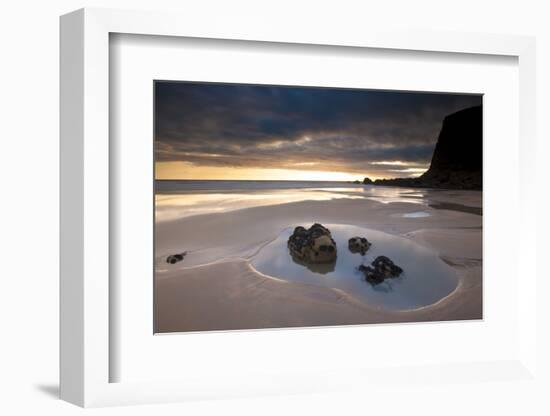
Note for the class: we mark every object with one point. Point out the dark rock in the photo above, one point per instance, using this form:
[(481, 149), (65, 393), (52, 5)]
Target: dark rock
[(175, 258), (387, 267), (367, 181), (458, 155), (406, 182), (359, 245), (313, 245), (380, 269), (371, 275), (357, 182)]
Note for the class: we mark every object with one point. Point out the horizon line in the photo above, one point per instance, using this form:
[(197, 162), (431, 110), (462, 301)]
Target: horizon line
[(256, 180)]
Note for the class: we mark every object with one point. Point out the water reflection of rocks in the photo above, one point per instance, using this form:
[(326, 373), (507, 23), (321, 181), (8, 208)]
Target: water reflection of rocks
[(425, 278), (315, 249), (321, 268)]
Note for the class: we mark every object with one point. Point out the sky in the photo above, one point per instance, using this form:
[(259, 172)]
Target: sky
[(253, 132)]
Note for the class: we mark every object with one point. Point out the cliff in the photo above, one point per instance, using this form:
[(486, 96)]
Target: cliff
[(457, 161)]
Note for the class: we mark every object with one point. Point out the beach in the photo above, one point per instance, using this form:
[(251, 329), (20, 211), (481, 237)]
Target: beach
[(227, 228)]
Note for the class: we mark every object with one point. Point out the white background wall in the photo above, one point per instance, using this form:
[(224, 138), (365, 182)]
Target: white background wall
[(29, 205)]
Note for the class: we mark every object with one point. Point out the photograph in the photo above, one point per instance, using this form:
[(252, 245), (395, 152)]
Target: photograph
[(302, 206)]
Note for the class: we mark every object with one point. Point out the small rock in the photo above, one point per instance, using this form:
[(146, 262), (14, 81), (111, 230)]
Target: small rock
[(314, 245), (380, 269), (359, 245), (175, 258), (387, 267)]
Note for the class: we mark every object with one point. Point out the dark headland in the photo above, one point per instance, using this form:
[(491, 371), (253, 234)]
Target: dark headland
[(457, 158)]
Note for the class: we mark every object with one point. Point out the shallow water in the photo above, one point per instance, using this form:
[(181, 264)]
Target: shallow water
[(426, 278), (416, 214), (180, 199), (175, 206), (173, 202)]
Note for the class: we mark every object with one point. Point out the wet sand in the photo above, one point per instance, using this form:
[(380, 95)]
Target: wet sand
[(216, 287)]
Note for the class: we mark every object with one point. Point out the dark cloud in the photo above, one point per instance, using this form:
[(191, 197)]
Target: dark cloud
[(296, 127)]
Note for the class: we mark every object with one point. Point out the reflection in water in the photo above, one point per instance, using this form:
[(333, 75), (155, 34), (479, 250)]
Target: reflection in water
[(425, 279), (171, 206), (321, 268), (457, 207), (417, 214), (388, 194), (174, 206), (180, 199)]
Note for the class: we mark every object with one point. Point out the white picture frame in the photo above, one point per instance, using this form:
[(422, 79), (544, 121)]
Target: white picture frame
[(85, 210)]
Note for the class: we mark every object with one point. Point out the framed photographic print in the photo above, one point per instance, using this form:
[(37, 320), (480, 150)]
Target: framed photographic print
[(275, 206), (249, 215)]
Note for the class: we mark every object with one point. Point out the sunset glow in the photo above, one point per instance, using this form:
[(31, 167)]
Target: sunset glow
[(178, 170)]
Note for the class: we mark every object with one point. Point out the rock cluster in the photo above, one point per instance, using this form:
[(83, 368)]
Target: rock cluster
[(313, 245), (359, 245), (175, 258), (380, 269)]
